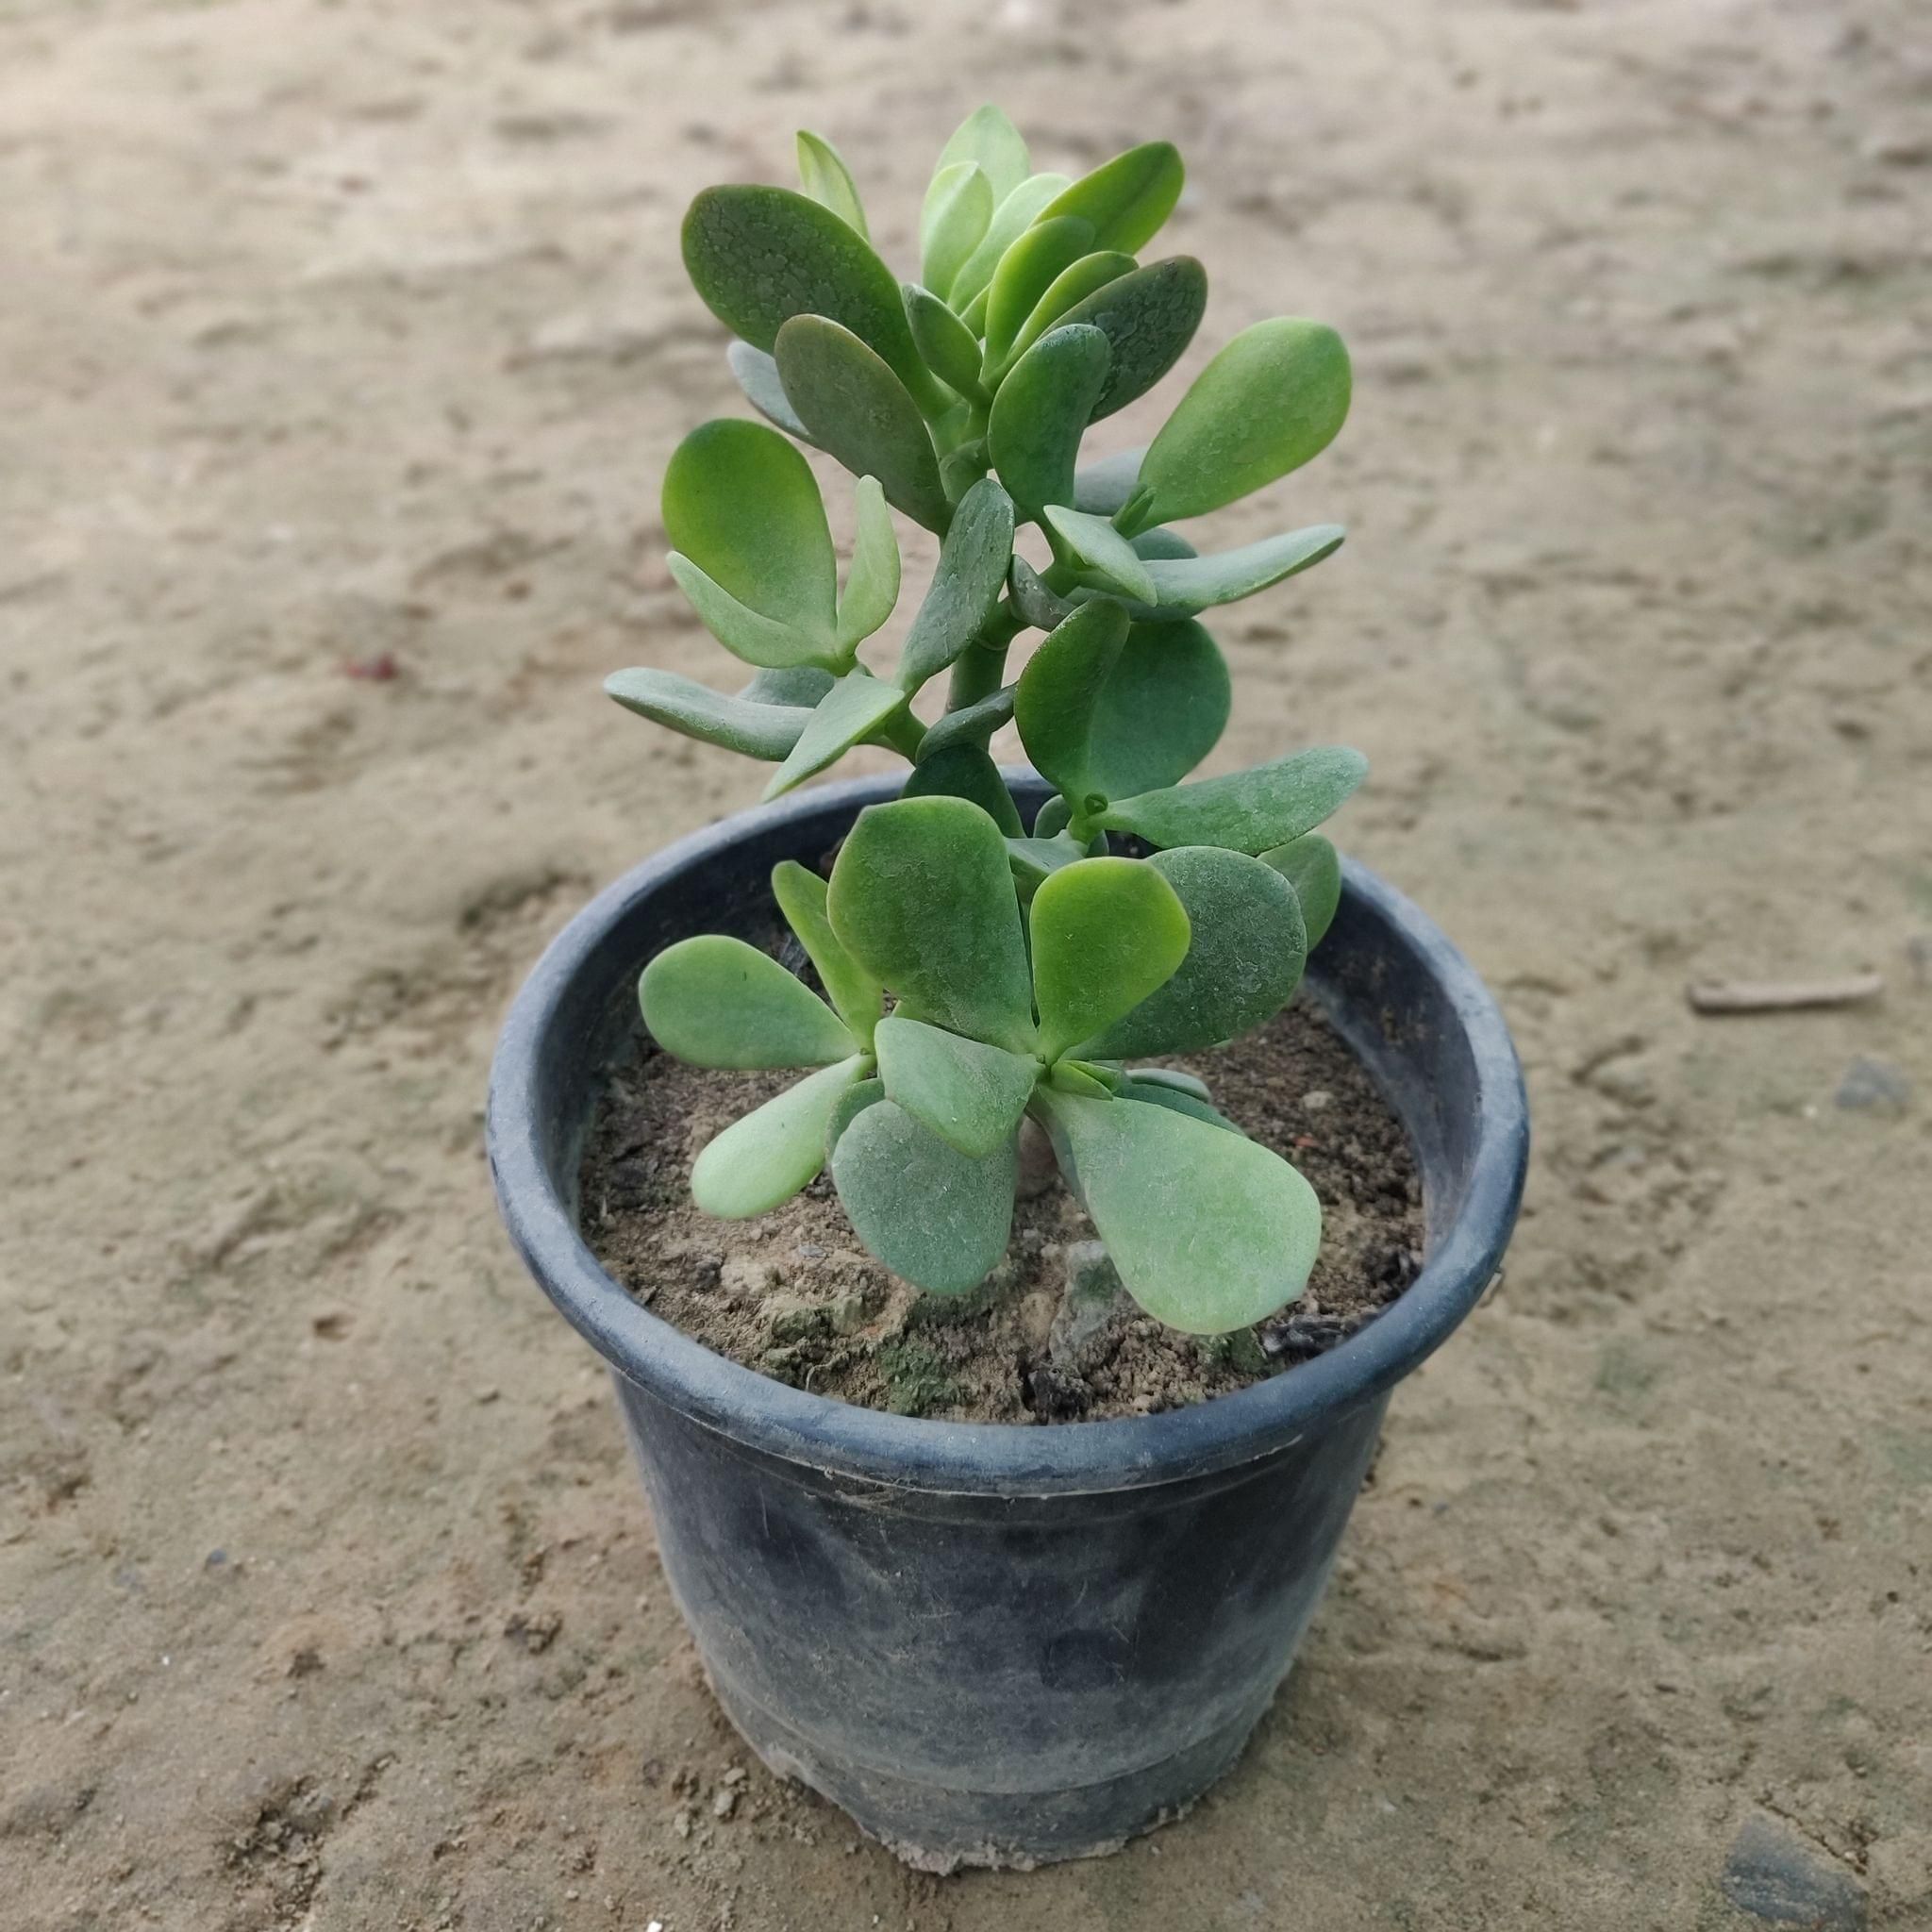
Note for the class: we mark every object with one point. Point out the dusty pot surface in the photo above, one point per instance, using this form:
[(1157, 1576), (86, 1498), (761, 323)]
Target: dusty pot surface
[(995, 1643)]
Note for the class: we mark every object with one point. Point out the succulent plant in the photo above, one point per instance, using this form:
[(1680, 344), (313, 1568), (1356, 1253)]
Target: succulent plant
[(1024, 968)]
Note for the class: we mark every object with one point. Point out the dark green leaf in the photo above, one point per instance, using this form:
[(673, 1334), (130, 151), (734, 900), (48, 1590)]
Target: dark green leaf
[(857, 408), (1070, 288), (849, 713), (1053, 817), (848, 1106), (1107, 559), (945, 343), (1179, 1099), (1148, 318), (959, 207), (760, 1161), (854, 993), (934, 1217), (1035, 603), (1161, 542), (1036, 859), (1161, 712), (829, 183), (970, 1094), (1241, 969), (746, 633), (1107, 932), (758, 732), (1102, 489), (1245, 811), (1026, 272), (966, 586), (965, 771), (1011, 219), (923, 896), (988, 139), (716, 1002), (1040, 412), (1061, 691), (872, 585), (1183, 585), (1309, 864), (973, 726), (1210, 1231), (757, 377), (1127, 198), (1267, 404)]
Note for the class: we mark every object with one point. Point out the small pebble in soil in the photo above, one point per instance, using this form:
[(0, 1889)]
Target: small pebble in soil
[(1873, 1087), (1774, 1876)]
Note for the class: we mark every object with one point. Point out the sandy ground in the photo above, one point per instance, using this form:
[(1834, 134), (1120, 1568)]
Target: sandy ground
[(326, 1598)]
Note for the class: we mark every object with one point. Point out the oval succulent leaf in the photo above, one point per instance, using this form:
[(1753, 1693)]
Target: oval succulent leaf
[(759, 256), (1040, 413), (1102, 489), (848, 1106), (757, 377), (739, 725), (958, 208), (760, 1161), (1037, 605), (1161, 711), (1183, 585), (922, 897), (872, 585), (932, 1215), (1127, 198), (988, 139), (746, 633), (1107, 933), (1026, 272), (970, 1094), (1011, 219), (1148, 318), (1210, 1231), (1160, 542), (1107, 560), (713, 1001), (974, 725), (1068, 288), (849, 713), (945, 343), (965, 771), (1312, 866), (1245, 811), (1156, 1094), (854, 993), (829, 183), (857, 408), (1035, 860), (798, 685), (966, 586), (742, 504), (1061, 691), (1273, 398), (1245, 964)]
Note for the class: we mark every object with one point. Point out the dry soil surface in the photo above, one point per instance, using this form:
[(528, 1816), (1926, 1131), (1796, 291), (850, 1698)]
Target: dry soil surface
[(343, 338)]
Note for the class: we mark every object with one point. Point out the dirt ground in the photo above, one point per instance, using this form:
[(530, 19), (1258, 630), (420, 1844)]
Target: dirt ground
[(338, 337)]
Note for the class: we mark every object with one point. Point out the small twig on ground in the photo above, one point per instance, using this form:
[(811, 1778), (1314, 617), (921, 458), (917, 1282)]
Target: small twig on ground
[(1776, 995)]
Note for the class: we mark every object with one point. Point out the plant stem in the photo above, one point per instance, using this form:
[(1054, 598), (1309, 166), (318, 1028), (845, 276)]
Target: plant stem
[(980, 669)]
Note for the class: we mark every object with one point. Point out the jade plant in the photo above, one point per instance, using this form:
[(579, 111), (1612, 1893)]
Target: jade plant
[(979, 975)]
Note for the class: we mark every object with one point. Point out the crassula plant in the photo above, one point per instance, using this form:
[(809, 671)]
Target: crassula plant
[(979, 975)]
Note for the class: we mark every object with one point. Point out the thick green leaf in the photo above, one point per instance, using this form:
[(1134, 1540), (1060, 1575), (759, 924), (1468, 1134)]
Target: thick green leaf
[(757, 377), (974, 724), (923, 896), (739, 725), (1309, 864), (986, 138), (848, 1106), (1174, 1077), (1107, 932), (970, 1094), (854, 993), (1035, 603), (945, 343), (1102, 489), (1161, 712), (1183, 585), (1107, 559), (849, 713), (965, 588), (1127, 198), (1034, 860), (759, 256), (1040, 413), (760, 1161), (1245, 811), (1267, 404), (1070, 288), (1011, 219), (744, 632), (965, 771), (742, 504), (713, 1001), (1156, 1093), (1052, 818), (1061, 691), (1160, 542), (1026, 272), (933, 1217), (1241, 969), (959, 210), (1210, 1231), (829, 183), (857, 408), (872, 585), (798, 685), (1148, 318)]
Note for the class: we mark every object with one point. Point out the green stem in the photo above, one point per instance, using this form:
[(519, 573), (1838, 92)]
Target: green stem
[(903, 732), (980, 669)]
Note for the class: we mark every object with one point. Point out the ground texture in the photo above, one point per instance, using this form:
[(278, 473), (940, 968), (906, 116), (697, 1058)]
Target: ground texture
[(350, 339)]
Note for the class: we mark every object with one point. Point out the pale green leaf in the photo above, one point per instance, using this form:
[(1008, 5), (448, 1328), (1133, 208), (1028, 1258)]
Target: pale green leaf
[(970, 1094), (829, 183), (1107, 933), (739, 725), (1160, 542), (1040, 413), (759, 1162), (800, 686), (1245, 964), (946, 345), (1246, 811), (933, 1217), (1183, 585), (988, 139), (1162, 710), (1182, 1099), (855, 708), (959, 210), (1102, 489), (1025, 273), (757, 377), (744, 632), (1311, 865), (1210, 1231), (1148, 317), (965, 588), (1061, 691), (854, 993), (965, 771), (1107, 559), (848, 1106), (1127, 198), (872, 585), (1036, 859), (1068, 288), (1011, 219), (1035, 603), (713, 1001)]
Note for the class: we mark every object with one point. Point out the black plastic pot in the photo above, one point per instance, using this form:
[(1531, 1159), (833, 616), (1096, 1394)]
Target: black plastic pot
[(993, 1643)]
